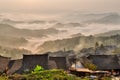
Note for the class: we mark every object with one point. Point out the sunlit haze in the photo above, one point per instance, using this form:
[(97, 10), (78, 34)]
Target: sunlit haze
[(51, 6), (62, 18)]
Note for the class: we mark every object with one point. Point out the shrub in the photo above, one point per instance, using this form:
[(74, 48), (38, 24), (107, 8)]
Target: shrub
[(3, 78), (53, 74), (90, 66), (38, 69)]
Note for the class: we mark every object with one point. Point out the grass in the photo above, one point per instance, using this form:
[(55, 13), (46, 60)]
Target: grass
[(4, 78), (40, 74), (55, 77)]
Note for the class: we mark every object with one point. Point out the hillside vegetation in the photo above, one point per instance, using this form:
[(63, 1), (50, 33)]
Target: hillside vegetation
[(77, 43)]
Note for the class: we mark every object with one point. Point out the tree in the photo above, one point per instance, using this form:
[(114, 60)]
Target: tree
[(96, 44), (101, 46)]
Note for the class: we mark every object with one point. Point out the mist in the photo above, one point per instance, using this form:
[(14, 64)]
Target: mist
[(69, 23)]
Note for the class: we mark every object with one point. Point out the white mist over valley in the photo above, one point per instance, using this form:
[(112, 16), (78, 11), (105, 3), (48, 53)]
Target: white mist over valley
[(66, 25)]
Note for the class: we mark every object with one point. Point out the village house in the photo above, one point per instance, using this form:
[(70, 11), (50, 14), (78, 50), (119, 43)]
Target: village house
[(66, 60), (61, 59), (105, 65), (14, 66), (4, 61), (104, 62), (58, 63), (50, 60), (30, 61)]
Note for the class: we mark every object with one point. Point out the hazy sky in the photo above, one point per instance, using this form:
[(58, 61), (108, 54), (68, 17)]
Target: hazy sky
[(53, 6)]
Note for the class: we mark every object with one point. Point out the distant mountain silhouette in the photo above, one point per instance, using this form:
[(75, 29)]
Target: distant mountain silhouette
[(109, 33), (10, 35), (8, 30), (109, 19)]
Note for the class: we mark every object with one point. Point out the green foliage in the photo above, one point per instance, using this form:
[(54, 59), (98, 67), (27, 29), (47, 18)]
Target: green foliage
[(68, 44), (47, 73), (38, 69), (85, 78), (96, 44), (55, 77), (90, 66), (71, 43), (102, 46), (116, 51), (53, 74), (3, 78), (106, 78)]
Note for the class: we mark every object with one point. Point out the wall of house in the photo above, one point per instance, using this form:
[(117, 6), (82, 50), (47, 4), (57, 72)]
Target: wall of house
[(30, 61), (58, 63), (14, 66), (4, 63)]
